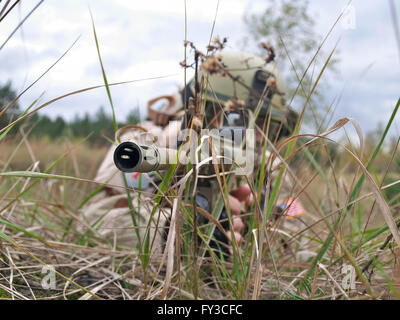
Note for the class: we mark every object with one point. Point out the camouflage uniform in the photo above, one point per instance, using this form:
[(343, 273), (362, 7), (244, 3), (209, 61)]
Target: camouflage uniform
[(109, 209)]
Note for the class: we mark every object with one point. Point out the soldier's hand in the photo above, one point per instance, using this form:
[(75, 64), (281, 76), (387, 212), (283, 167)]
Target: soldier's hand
[(241, 194)]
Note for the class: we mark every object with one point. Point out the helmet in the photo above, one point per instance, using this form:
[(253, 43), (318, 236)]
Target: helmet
[(232, 79)]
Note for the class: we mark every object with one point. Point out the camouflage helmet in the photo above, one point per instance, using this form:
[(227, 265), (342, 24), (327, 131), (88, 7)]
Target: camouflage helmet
[(247, 80)]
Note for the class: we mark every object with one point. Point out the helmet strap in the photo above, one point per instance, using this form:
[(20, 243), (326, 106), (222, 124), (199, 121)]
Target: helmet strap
[(162, 117)]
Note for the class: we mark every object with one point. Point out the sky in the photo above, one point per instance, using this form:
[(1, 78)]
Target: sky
[(144, 39)]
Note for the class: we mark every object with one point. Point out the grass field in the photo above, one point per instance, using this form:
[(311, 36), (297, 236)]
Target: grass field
[(345, 246), (42, 225)]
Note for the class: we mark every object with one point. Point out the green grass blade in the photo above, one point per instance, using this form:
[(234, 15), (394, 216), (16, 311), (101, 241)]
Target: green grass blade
[(357, 188), (104, 74)]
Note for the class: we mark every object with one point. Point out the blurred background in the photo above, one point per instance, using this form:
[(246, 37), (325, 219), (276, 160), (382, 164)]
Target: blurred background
[(144, 39), (48, 161)]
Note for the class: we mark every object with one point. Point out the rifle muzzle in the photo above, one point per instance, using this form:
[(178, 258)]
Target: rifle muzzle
[(132, 157)]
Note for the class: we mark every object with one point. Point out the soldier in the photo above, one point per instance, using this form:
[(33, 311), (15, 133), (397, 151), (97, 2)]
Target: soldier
[(242, 83)]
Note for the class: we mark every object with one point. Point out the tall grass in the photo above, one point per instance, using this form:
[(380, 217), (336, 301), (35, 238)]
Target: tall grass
[(349, 224)]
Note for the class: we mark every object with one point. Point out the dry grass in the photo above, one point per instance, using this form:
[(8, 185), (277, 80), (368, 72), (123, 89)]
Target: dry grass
[(49, 211), (83, 159)]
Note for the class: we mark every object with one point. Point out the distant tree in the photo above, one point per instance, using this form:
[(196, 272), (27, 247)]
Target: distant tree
[(58, 127), (103, 124), (81, 127), (133, 116), (42, 126), (291, 21)]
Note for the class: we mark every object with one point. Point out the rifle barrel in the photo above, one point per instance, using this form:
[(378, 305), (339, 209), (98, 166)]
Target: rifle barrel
[(132, 157)]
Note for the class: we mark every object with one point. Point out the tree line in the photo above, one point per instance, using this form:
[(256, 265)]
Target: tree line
[(96, 128)]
